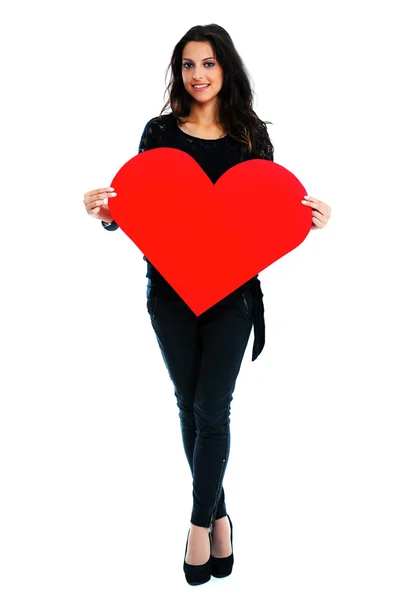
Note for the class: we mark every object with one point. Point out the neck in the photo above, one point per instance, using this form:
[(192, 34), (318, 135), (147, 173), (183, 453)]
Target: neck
[(204, 114)]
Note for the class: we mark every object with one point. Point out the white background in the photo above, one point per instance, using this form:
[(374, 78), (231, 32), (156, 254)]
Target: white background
[(95, 488)]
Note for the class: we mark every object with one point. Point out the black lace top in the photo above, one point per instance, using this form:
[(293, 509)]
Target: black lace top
[(214, 157)]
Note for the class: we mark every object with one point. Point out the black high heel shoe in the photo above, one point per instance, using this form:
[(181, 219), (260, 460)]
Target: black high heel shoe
[(222, 567), (197, 574)]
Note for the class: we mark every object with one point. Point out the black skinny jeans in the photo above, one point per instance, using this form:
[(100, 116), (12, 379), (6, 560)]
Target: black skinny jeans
[(203, 356)]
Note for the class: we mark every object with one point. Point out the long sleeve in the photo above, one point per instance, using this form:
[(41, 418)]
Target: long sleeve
[(264, 148), (148, 140), (151, 136), (110, 226), (267, 152)]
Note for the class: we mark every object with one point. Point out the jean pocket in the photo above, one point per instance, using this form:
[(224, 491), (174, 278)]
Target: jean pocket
[(247, 302)]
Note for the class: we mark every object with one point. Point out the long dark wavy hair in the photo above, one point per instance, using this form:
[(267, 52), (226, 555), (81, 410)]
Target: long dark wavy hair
[(235, 100)]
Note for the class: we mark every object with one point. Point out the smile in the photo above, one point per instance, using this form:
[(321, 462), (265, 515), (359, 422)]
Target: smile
[(201, 87)]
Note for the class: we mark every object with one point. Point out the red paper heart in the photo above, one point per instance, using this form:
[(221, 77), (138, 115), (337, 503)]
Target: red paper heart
[(206, 240)]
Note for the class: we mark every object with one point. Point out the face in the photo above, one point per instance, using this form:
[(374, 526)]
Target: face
[(199, 66)]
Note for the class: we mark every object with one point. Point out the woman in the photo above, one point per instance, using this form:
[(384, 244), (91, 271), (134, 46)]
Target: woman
[(211, 119)]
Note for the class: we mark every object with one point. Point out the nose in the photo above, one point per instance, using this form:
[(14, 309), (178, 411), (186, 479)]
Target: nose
[(196, 75)]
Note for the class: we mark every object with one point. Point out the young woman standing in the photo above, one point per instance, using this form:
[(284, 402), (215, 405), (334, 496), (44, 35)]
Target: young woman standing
[(211, 119)]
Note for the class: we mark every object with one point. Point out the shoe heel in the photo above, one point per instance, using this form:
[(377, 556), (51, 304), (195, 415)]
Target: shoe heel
[(197, 574), (222, 567)]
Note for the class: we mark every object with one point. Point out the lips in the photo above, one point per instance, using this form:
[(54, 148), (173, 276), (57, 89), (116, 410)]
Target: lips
[(202, 85)]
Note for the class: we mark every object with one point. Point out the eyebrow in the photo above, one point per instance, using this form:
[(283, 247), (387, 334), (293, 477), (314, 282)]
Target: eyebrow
[(203, 58)]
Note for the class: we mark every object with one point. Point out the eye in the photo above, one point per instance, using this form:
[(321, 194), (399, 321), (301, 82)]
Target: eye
[(207, 63)]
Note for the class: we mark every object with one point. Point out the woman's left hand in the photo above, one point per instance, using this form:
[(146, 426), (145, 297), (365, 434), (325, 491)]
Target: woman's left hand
[(321, 212)]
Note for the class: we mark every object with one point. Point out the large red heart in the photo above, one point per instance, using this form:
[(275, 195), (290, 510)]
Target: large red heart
[(206, 240)]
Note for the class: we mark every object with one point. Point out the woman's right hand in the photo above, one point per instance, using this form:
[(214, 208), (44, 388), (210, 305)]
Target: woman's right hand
[(94, 203)]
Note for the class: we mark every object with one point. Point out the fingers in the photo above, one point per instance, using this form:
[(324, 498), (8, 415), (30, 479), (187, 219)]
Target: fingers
[(318, 205), (100, 191), (98, 195), (317, 222), (94, 199)]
